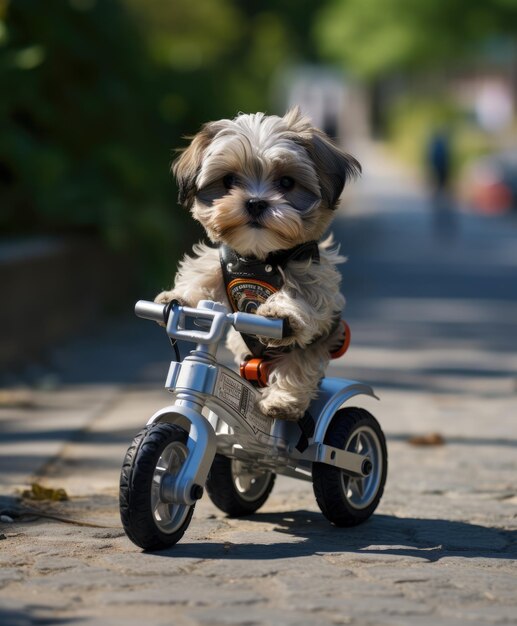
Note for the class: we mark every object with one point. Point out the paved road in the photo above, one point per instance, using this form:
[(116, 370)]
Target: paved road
[(434, 326)]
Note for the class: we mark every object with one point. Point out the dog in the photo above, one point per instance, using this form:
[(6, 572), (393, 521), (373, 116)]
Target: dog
[(265, 189)]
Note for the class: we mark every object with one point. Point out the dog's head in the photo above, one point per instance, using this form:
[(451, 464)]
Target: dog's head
[(263, 183)]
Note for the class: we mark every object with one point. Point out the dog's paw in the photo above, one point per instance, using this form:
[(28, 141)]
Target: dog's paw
[(274, 405), (296, 328), (167, 296)]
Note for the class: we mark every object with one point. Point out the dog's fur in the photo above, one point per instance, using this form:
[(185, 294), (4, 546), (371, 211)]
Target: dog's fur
[(232, 161)]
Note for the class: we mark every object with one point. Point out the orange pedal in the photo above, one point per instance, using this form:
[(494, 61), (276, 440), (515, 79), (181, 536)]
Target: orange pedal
[(255, 371)]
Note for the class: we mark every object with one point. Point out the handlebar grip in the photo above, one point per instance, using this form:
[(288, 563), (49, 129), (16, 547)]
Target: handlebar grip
[(152, 311), (252, 324)]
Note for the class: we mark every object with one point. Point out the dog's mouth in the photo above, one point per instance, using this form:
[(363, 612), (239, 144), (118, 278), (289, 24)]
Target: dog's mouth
[(255, 224)]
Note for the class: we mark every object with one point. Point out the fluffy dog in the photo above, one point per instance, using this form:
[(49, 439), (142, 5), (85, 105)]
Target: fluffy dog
[(265, 189)]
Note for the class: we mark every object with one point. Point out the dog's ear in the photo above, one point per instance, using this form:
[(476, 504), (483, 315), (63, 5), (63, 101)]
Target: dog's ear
[(186, 167), (333, 166)]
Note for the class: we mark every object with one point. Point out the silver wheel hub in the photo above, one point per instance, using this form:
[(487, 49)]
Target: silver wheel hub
[(360, 492), (250, 483), (168, 516)]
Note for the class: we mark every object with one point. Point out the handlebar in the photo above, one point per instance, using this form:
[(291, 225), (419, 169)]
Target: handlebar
[(152, 311), (175, 316)]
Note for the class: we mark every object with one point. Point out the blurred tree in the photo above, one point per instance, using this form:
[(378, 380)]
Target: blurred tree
[(82, 145), (372, 37), (218, 57), (65, 101)]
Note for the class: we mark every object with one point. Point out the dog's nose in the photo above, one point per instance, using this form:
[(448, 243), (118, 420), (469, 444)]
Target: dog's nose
[(256, 206)]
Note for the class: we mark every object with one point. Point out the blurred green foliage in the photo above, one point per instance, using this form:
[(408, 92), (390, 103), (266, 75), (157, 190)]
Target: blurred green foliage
[(220, 56), (82, 148), (377, 36), (96, 94)]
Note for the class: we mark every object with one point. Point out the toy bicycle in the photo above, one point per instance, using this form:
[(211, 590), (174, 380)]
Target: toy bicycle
[(214, 435)]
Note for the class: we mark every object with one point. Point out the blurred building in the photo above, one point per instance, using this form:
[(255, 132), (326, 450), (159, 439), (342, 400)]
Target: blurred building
[(333, 101)]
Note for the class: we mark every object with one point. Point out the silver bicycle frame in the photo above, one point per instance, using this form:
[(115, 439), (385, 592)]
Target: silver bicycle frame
[(220, 410)]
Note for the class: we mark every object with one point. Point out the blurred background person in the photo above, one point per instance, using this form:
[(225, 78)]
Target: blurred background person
[(439, 170)]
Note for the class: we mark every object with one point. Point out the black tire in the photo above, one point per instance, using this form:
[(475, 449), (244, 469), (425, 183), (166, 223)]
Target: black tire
[(235, 490), (343, 500), (149, 522)]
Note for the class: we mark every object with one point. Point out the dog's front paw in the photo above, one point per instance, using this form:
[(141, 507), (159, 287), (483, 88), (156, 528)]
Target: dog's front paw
[(296, 328), (168, 296)]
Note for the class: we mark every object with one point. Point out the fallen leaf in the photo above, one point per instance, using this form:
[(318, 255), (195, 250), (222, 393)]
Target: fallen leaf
[(430, 439), (38, 492)]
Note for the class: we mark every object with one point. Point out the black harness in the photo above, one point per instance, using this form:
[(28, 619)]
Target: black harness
[(249, 282)]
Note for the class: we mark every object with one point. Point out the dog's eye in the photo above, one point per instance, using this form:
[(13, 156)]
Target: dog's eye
[(286, 183), (229, 181)]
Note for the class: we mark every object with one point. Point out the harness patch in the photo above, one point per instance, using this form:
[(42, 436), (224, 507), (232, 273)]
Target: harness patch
[(247, 295), (250, 282)]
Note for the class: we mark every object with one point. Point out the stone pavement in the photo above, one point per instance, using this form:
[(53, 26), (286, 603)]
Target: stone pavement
[(434, 325)]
